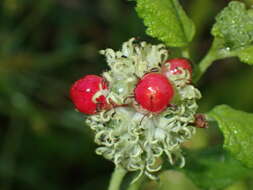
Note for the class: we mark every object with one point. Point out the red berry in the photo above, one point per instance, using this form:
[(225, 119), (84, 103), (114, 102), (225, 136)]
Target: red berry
[(82, 92), (175, 64), (154, 92)]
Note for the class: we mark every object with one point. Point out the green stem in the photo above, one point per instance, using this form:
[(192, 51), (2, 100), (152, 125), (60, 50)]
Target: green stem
[(204, 64), (217, 51), (117, 178), (136, 185)]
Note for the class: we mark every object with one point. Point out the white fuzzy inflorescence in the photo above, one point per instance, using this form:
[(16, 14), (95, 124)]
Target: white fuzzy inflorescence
[(136, 140)]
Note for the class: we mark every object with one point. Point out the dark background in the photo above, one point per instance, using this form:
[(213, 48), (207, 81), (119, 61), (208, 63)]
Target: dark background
[(45, 45)]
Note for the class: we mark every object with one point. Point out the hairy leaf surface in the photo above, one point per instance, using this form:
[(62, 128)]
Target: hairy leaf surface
[(234, 25), (237, 128), (167, 21)]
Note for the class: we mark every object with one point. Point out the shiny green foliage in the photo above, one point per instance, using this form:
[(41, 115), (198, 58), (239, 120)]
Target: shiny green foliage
[(236, 127), (167, 21), (234, 25), (214, 169)]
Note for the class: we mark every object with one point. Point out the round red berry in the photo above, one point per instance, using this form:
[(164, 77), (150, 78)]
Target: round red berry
[(154, 92), (173, 66), (82, 92)]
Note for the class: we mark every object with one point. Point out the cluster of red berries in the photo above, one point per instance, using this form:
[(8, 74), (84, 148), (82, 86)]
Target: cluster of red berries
[(153, 92)]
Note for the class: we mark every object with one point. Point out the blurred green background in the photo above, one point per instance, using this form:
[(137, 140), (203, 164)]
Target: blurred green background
[(45, 45)]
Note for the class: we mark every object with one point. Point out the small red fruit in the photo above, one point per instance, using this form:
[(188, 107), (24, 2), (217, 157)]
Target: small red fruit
[(175, 64), (154, 92), (82, 92)]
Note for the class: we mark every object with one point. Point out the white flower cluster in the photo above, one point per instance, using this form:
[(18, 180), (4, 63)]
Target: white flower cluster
[(133, 139)]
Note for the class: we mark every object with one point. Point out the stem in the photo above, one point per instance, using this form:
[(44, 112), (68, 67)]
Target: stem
[(217, 51), (214, 53), (136, 185), (204, 64), (117, 178)]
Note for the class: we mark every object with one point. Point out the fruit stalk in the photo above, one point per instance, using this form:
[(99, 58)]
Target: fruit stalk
[(117, 178)]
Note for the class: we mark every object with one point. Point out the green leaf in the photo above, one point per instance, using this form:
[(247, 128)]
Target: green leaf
[(246, 55), (237, 128), (214, 169), (234, 25), (167, 21)]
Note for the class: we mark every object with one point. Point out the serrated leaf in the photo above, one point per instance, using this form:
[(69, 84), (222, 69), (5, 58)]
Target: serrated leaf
[(214, 169), (234, 25), (167, 21), (237, 128)]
